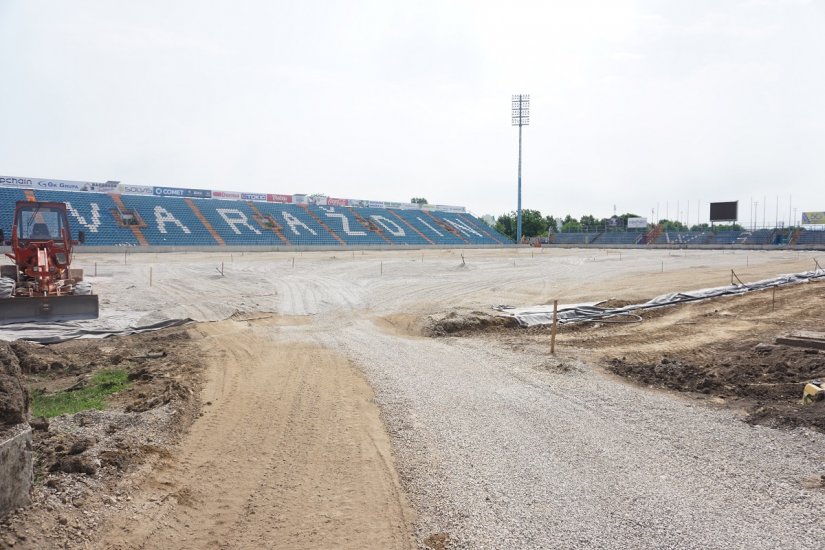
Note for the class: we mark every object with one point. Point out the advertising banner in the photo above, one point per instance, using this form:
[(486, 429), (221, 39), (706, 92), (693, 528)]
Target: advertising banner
[(319, 200), (300, 199), (278, 198), (337, 202), (260, 197), (226, 195), (11, 181), (446, 208), (376, 204), (359, 203), (813, 218), (58, 185), (135, 189), (106, 187), (636, 223), (182, 192)]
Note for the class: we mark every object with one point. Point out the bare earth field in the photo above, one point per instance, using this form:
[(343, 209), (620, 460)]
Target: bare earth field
[(309, 407)]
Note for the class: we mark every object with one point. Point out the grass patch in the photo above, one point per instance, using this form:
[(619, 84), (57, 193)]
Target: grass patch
[(92, 396)]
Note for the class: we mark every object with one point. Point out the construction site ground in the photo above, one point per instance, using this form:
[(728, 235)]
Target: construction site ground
[(370, 400)]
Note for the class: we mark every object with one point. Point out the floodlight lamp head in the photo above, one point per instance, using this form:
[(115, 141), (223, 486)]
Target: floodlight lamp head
[(521, 109)]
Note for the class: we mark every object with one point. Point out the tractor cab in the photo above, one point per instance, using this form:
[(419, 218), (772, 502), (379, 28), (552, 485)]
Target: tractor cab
[(41, 227), (40, 285)]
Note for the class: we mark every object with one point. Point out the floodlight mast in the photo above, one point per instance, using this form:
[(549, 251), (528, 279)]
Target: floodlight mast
[(521, 117)]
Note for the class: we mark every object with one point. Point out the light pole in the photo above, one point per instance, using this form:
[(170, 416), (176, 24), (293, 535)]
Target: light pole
[(521, 117)]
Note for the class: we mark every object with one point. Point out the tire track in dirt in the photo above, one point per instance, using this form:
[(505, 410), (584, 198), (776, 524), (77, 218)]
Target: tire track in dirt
[(291, 453)]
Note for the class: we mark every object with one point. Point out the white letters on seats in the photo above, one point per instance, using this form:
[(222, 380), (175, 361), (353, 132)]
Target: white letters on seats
[(163, 216), (294, 222), (433, 229), (386, 222), (92, 225), (345, 224), (463, 227), (235, 218)]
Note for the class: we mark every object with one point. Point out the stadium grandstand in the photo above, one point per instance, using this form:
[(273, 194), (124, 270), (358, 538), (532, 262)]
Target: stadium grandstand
[(655, 237), (111, 214)]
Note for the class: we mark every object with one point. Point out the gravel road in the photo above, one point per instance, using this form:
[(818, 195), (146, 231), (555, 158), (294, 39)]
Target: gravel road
[(508, 450)]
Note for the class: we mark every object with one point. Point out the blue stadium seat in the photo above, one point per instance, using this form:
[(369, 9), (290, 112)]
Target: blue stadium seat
[(236, 223), (169, 221), (8, 199), (299, 227), (391, 227), (466, 227), (173, 221)]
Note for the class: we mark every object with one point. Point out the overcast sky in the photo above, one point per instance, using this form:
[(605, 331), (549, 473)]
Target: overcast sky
[(634, 103)]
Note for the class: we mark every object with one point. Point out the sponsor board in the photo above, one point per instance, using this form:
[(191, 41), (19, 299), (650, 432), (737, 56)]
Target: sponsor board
[(278, 198), (376, 204), (135, 189), (395, 205), (359, 203), (58, 185), (813, 218), (636, 223), (319, 200), (182, 192), (300, 199), (226, 195), (260, 197), (337, 202), (451, 209), (11, 181)]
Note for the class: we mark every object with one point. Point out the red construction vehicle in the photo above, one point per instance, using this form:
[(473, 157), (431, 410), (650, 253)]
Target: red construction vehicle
[(41, 286)]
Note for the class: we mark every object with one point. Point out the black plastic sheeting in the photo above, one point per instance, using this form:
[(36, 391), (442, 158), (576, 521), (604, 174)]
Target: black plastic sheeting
[(577, 313), (53, 333)]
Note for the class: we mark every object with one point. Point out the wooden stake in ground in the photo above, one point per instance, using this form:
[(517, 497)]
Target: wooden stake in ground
[(553, 328), (773, 300)]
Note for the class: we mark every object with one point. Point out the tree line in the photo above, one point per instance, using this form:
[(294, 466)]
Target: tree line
[(534, 224)]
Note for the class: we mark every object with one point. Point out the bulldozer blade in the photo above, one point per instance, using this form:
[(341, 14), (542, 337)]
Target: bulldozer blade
[(48, 308)]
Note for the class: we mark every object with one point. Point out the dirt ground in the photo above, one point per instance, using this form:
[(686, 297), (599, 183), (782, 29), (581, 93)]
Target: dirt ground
[(722, 351), (249, 428), (288, 451)]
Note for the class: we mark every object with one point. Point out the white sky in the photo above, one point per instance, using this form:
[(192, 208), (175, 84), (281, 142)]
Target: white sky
[(634, 103)]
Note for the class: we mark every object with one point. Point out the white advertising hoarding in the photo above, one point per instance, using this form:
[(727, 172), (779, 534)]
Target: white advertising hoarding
[(58, 185), (636, 223)]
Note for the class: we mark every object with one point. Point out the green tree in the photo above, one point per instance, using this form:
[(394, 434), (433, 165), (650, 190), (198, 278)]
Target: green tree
[(533, 224), (552, 224), (672, 225), (570, 224), (506, 225), (418, 200), (589, 222)]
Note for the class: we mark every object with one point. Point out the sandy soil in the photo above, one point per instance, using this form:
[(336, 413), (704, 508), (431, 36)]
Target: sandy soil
[(292, 451)]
